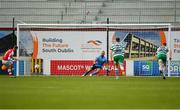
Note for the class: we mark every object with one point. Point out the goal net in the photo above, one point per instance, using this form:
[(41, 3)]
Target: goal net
[(70, 49)]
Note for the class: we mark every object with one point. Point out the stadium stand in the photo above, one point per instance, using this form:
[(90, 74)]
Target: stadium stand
[(89, 11)]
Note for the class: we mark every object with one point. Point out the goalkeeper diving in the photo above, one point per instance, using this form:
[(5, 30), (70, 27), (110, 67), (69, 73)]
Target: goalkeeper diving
[(98, 64)]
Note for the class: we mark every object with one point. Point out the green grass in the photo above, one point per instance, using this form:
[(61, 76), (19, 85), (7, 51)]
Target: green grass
[(75, 92)]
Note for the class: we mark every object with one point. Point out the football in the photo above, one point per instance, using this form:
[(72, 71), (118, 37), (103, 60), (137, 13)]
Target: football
[(3, 67), (36, 66)]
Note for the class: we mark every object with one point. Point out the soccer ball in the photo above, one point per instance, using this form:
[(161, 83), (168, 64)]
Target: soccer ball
[(36, 66), (3, 67)]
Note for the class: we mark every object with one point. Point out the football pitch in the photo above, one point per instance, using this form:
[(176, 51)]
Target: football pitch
[(98, 92)]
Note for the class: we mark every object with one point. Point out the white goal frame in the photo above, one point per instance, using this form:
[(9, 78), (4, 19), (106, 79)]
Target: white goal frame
[(94, 25)]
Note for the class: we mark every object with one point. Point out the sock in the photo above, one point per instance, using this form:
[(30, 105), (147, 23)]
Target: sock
[(107, 72), (160, 70), (87, 72), (164, 73), (94, 73), (9, 71), (116, 72)]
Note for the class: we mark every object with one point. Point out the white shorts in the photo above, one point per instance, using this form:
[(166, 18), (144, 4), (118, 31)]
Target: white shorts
[(7, 62)]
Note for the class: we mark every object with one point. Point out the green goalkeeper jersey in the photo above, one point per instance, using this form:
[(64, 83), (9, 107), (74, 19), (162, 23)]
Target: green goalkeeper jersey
[(118, 48)]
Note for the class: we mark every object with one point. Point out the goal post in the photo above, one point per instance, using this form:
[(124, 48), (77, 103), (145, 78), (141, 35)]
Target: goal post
[(169, 48), (53, 49)]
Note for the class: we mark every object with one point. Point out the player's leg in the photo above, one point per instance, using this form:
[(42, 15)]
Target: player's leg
[(95, 72), (10, 70), (121, 63), (116, 70), (164, 71), (160, 62), (89, 70), (116, 59), (164, 68), (10, 67)]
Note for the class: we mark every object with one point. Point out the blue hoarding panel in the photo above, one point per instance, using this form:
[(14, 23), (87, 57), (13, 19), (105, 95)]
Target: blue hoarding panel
[(155, 69), (175, 68), (136, 68), (146, 68), (21, 68)]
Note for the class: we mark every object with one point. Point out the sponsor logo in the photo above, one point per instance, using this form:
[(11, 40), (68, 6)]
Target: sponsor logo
[(92, 46), (146, 66), (95, 42)]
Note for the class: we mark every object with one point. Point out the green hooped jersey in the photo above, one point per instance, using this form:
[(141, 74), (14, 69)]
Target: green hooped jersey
[(162, 50), (118, 48)]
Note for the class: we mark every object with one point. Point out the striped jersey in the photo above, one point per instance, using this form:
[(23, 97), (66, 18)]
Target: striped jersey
[(8, 55), (118, 48), (162, 50)]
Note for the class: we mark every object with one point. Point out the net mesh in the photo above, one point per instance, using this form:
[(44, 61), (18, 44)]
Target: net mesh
[(70, 49)]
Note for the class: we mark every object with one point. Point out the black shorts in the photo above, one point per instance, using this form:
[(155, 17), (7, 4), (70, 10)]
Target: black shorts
[(96, 66)]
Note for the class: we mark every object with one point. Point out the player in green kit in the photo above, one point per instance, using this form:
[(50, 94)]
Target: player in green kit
[(117, 55), (161, 55)]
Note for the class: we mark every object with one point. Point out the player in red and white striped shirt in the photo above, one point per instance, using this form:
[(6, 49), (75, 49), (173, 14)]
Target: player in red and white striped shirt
[(8, 59)]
